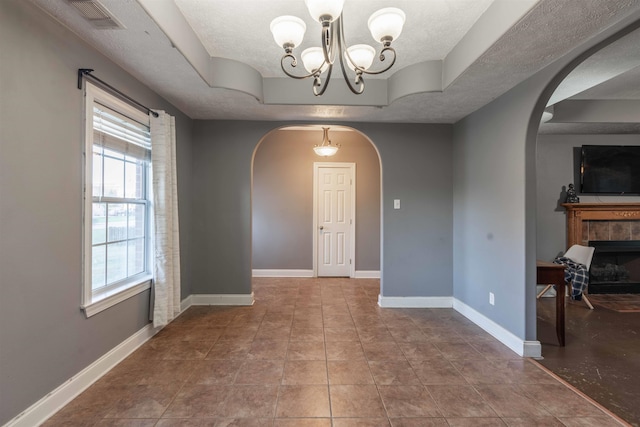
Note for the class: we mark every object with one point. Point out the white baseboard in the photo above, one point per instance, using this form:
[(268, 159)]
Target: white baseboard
[(46, 407), (367, 274), (521, 347), (282, 273), (415, 302), (217, 299)]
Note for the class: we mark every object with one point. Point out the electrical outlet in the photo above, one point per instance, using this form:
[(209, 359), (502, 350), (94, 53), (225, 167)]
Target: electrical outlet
[(492, 299)]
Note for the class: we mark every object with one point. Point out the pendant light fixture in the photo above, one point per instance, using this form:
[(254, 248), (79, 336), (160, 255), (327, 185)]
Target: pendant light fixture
[(326, 149), (288, 31)]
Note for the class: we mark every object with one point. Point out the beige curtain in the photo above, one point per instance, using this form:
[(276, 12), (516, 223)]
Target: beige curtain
[(166, 275)]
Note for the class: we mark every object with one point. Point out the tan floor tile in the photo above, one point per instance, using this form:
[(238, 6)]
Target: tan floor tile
[(460, 401), (356, 401), (411, 333), (307, 334), (495, 350), (419, 351), (589, 422), (187, 350), (144, 401), (483, 372), (273, 333), (303, 401), (390, 372), (559, 401), (126, 422), (511, 401), (306, 350), (475, 422), (345, 350), (458, 350), (361, 422), (533, 422), (302, 422), (408, 401), (305, 372), (436, 371), (376, 335), (197, 401), (217, 371), (349, 372), (260, 372), (341, 334), (230, 350), (382, 351), (418, 422), (250, 401), (267, 349)]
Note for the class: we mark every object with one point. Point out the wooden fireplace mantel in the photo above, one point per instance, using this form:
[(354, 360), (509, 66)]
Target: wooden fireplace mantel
[(578, 212)]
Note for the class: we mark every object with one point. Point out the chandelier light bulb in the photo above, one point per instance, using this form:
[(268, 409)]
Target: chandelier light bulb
[(288, 30), (324, 8), (361, 54), (313, 59), (386, 24)]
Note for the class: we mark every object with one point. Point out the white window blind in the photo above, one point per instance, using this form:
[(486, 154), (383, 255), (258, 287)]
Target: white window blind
[(114, 131)]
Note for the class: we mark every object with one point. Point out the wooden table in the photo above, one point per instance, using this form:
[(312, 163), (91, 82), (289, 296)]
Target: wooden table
[(548, 273)]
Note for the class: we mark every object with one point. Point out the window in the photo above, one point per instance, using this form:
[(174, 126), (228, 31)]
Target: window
[(117, 208)]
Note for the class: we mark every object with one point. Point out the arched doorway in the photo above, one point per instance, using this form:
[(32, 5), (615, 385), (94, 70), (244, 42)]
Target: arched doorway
[(599, 74), (283, 231)]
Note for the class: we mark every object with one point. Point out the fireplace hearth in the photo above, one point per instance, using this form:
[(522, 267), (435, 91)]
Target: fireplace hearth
[(615, 268)]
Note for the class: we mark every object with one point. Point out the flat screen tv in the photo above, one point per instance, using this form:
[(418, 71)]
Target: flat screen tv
[(610, 169)]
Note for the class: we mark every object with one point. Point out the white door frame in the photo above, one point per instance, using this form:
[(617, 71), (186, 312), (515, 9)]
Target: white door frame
[(352, 236)]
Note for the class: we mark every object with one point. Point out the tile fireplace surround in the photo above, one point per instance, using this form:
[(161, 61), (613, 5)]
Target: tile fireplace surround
[(602, 221)]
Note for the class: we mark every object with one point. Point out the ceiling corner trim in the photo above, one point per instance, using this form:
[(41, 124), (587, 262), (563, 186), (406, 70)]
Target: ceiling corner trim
[(216, 72), (417, 78), (492, 24)]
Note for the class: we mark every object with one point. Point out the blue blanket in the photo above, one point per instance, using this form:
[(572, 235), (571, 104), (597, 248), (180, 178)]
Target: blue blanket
[(576, 274)]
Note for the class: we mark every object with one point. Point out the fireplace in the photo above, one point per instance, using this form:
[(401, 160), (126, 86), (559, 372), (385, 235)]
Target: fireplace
[(615, 268), (614, 230)]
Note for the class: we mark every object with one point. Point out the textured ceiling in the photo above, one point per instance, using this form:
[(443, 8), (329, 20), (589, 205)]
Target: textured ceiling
[(239, 30), (436, 28)]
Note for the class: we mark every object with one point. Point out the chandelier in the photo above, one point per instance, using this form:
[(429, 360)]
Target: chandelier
[(288, 31), (326, 149)]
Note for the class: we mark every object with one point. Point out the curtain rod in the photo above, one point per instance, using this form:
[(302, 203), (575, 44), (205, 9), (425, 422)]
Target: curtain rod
[(86, 72)]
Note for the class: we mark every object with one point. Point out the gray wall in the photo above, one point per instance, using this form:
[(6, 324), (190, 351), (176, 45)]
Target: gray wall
[(495, 196), (558, 164), (45, 338), (416, 242), (282, 198)]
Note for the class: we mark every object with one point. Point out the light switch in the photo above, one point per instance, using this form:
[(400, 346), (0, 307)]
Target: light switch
[(396, 204)]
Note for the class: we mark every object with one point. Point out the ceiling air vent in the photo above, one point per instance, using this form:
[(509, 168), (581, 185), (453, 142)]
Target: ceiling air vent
[(96, 14)]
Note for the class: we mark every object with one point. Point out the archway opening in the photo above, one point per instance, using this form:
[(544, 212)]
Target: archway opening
[(284, 231)]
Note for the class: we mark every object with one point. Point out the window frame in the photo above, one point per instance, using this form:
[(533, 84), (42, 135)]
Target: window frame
[(94, 302)]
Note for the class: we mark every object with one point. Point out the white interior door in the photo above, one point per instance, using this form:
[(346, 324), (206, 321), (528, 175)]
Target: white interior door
[(335, 220)]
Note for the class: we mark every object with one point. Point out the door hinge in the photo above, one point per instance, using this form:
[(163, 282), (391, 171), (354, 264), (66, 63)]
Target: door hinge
[(350, 221), (349, 262)]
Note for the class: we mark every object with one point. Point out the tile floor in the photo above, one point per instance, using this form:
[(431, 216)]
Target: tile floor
[(320, 353)]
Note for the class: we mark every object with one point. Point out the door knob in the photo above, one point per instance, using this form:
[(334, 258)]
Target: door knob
[(321, 227)]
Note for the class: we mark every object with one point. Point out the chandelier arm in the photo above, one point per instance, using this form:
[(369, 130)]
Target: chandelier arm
[(328, 40), (324, 85), (293, 64), (382, 58), (359, 83)]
